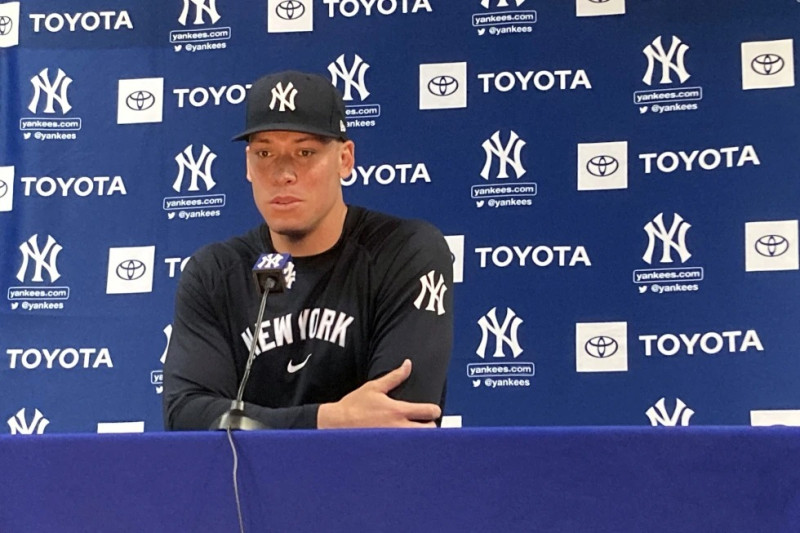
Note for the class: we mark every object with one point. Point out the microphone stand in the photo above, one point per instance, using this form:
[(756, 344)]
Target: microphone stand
[(235, 417)]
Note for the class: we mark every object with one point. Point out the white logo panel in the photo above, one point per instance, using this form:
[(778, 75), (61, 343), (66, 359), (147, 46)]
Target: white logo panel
[(768, 64), (140, 101), (451, 421), (130, 270), (456, 245), (443, 85), (771, 246), (602, 166), (9, 24), (601, 347), (287, 16), (120, 427), (6, 189), (597, 8), (775, 417)]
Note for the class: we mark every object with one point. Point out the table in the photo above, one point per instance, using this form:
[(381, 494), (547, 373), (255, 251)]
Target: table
[(720, 479)]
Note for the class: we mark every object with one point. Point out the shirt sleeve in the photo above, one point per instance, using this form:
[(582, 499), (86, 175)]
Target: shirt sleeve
[(414, 312), (201, 373)]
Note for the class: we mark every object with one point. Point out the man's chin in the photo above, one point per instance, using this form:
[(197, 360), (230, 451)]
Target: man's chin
[(289, 226), (288, 232)]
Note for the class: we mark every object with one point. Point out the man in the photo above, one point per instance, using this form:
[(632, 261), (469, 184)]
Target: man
[(361, 338)]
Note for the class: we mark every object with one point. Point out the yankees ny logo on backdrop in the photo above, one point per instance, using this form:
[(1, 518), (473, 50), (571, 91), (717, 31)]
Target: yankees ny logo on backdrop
[(505, 334), (18, 425), (658, 414), (157, 376), (500, 3), (674, 239), (494, 147), (55, 91), (353, 77), (43, 259), (208, 7), (186, 160), (671, 60)]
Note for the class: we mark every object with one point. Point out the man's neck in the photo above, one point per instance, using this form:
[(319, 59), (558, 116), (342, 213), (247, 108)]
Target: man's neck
[(323, 239)]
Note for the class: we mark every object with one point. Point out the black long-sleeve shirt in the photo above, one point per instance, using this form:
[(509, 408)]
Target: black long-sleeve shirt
[(382, 294)]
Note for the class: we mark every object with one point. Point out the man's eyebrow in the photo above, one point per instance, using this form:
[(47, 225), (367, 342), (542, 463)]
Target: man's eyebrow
[(312, 137), (304, 138)]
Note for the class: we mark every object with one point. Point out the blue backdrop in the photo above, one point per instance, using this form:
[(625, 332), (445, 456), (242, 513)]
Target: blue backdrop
[(618, 181)]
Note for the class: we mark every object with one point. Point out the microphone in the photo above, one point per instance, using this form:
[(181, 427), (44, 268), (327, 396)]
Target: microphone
[(268, 274)]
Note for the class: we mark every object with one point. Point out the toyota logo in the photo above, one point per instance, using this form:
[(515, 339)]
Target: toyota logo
[(601, 346), (140, 100), (290, 9), (772, 245), (130, 269), (602, 165), (767, 64), (6, 25), (3, 189), (443, 85)]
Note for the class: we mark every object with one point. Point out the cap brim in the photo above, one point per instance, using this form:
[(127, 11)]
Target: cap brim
[(281, 126)]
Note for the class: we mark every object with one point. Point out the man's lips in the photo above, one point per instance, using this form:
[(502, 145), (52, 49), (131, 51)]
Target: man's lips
[(284, 200)]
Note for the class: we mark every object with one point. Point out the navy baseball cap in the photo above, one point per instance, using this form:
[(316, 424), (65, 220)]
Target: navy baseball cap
[(295, 101)]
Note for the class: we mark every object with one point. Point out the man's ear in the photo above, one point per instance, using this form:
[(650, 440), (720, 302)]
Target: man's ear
[(247, 163), (347, 159)]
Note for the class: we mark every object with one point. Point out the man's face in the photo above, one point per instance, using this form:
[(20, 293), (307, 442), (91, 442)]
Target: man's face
[(295, 178)]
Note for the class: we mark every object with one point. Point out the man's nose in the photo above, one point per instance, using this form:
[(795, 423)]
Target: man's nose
[(283, 170)]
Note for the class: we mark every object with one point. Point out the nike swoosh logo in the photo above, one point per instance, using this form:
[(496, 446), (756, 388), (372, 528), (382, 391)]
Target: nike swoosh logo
[(290, 368)]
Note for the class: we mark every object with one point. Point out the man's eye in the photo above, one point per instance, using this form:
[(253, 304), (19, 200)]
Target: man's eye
[(262, 154), (306, 153)]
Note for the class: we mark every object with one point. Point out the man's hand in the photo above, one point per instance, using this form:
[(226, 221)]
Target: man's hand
[(370, 406)]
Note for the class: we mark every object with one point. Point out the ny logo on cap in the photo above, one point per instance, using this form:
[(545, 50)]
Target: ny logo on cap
[(284, 96)]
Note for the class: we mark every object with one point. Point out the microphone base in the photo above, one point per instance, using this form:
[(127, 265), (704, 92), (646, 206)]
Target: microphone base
[(235, 419)]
